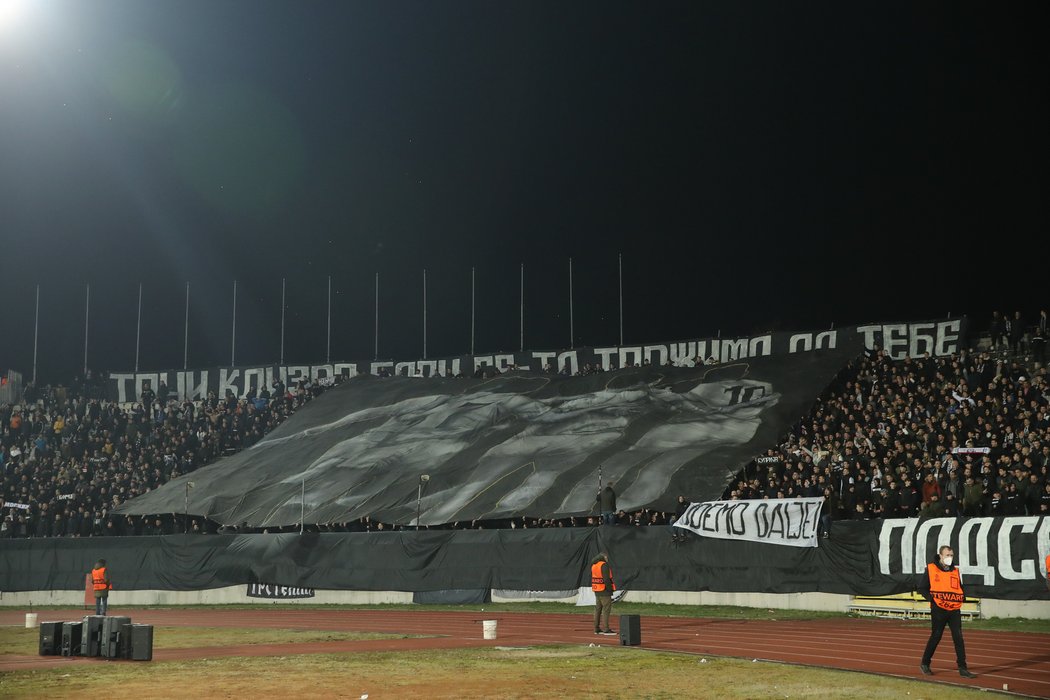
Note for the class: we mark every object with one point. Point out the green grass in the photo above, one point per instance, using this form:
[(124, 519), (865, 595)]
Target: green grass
[(515, 674)]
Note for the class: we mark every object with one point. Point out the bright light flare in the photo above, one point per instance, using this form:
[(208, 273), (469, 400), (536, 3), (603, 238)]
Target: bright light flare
[(11, 13)]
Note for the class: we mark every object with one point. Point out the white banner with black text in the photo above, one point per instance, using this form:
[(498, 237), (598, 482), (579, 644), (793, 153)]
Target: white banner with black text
[(785, 521)]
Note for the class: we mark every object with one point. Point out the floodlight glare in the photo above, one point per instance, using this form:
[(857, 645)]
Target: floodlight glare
[(11, 13)]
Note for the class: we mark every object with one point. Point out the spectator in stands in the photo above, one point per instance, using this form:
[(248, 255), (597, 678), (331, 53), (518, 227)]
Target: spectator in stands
[(997, 330), (930, 489), (606, 500), (828, 511), (1016, 332), (973, 494), (677, 533), (1039, 339)]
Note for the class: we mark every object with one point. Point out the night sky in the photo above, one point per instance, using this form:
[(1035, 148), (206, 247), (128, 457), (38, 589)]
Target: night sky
[(759, 165)]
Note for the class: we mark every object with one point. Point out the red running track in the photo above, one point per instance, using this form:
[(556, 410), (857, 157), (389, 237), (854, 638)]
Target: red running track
[(886, 647)]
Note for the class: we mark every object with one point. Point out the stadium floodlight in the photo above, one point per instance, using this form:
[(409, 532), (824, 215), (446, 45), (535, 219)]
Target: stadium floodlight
[(10, 12), (423, 479)]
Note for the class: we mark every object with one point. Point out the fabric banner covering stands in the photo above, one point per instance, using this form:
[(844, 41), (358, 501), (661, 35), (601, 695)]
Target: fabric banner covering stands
[(517, 445), (783, 521), (999, 558)]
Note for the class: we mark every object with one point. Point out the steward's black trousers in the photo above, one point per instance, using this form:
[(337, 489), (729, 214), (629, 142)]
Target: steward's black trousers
[(939, 617)]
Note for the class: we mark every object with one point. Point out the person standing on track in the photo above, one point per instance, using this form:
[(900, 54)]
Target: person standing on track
[(603, 587), (101, 584), (942, 586)]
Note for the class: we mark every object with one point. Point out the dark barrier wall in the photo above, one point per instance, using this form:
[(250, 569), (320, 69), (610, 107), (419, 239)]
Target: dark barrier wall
[(999, 558)]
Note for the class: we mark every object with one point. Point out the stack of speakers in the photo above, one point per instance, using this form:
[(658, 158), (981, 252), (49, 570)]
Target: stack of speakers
[(110, 637)]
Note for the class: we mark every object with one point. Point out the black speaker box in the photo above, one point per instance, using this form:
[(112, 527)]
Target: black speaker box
[(91, 635), (50, 638), (111, 628), (140, 642), (630, 630), (72, 633), (124, 646)]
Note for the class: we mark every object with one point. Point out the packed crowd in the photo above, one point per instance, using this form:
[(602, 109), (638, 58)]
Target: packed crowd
[(67, 458), (965, 435)]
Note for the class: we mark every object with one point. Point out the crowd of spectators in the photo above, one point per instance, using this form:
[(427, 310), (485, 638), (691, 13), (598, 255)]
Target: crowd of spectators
[(964, 435), (67, 458)]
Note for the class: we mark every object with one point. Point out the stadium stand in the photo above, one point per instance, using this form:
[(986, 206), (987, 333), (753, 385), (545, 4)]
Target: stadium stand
[(964, 435)]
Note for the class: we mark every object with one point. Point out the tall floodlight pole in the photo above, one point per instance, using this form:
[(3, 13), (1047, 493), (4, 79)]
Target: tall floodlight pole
[(36, 331), (572, 334), (186, 332), (424, 313), (472, 285), (138, 329), (282, 319), (377, 316), (87, 319), (620, 258), (521, 314), (328, 347), (302, 511), (233, 331)]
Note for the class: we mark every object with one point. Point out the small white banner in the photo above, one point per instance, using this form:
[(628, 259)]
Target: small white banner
[(11, 504), (784, 521), (269, 590), (971, 450), (538, 595)]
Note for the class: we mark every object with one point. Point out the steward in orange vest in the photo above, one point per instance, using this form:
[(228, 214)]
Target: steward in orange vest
[(101, 584), (603, 587), (1048, 572), (942, 586)]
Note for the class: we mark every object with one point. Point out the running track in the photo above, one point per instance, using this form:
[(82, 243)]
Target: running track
[(887, 647)]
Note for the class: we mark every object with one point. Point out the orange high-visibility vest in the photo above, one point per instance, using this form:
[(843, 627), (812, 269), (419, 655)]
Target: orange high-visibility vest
[(597, 580), (98, 579), (945, 587)]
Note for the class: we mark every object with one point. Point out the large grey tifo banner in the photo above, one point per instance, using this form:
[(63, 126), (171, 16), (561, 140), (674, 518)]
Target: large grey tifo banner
[(899, 340), (520, 444)]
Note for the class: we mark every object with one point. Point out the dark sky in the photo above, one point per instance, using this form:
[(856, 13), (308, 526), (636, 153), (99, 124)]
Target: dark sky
[(757, 164)]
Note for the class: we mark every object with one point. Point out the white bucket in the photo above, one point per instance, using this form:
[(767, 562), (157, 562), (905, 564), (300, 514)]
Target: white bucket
[(488, 629), (31, 620)]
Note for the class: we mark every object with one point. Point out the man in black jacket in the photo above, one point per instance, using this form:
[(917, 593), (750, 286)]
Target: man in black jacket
[(942, 586), (678, 534), (606, 500)]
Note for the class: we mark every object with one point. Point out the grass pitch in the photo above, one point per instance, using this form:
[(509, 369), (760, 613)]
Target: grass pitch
[(562, 671)]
